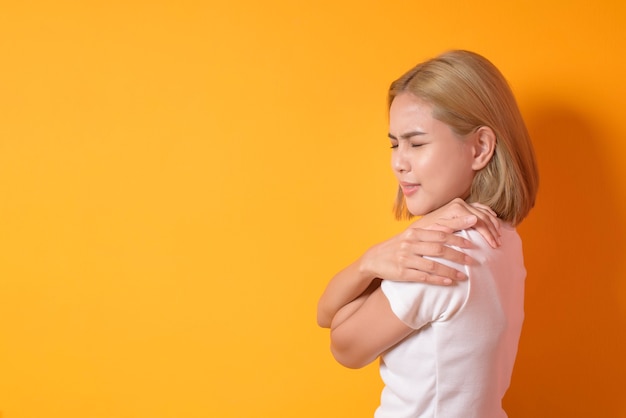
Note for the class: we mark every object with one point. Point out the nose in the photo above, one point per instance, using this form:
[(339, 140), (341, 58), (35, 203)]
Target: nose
[(399, 161)]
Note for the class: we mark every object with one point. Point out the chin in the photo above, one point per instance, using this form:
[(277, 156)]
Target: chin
[(418, 211), (421, 209)]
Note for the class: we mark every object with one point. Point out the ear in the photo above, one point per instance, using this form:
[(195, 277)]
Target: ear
[(484, 145)]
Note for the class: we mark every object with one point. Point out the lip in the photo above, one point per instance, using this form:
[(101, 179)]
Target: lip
[(409, 189)]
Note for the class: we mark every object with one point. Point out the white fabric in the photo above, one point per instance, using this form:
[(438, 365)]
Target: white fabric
[(458, 362)]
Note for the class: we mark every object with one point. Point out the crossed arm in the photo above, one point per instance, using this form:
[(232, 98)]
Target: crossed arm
[(353, 305), (365, 328)]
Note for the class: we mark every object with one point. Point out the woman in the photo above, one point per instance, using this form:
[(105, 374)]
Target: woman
[(446, 351)]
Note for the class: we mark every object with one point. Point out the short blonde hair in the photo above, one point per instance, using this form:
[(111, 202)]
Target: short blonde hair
[(467, 92)]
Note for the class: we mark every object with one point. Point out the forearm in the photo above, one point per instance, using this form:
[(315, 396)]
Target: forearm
[(350, 308), (351, 282), (404, 257), (343, 288)]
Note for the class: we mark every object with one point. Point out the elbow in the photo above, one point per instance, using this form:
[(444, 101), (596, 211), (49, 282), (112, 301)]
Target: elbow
[(347, 361), (323, 320), (322, 323), (347, 354)]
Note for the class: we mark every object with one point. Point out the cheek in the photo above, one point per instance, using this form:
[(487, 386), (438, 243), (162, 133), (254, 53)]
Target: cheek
[(449, 170), (428, 161)]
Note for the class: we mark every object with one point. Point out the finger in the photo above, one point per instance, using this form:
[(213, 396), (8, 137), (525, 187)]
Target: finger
[(433, 267), (439, 236), (484, 207), (446, 253), (446, 276), (440, 250), (418, 276), (484, 223), (494, 221), (487, 230), (488, 226), (441, 227), (424, 234), (492, 216), (454, 224), (439, 280)]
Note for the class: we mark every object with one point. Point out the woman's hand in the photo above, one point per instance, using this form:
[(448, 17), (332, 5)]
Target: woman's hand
[(401, 258), (458, 215)]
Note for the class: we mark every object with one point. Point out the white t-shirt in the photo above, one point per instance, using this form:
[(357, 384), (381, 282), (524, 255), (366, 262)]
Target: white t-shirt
[(458, 362)]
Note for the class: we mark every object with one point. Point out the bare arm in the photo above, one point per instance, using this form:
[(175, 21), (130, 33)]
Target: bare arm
[(401, 258), (347, 310), (366, 332)]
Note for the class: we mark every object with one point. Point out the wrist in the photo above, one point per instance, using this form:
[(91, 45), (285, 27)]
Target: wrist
[(365, 271)]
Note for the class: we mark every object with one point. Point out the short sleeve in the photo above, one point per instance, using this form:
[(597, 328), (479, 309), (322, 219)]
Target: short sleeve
[(418, 304)]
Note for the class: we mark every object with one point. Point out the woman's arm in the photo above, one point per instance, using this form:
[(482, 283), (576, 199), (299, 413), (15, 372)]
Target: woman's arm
[(343, 288), (401, 258), (348, 309), (366, 332)]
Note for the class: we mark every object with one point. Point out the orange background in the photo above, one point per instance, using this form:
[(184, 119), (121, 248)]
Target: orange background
[(178, 181)]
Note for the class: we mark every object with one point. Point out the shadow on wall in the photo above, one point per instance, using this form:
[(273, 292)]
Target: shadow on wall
[(572, 358)]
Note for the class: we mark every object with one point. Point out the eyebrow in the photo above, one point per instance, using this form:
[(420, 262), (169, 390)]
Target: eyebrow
[(407, 135)]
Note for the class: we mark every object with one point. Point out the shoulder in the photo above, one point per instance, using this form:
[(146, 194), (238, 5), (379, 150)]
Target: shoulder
[(511, 244), (417, 304)]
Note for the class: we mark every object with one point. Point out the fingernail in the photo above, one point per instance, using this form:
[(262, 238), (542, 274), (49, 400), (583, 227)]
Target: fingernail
[(447, 281)]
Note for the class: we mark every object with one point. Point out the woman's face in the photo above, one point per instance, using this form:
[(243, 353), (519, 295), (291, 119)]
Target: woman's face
[(433, 165)]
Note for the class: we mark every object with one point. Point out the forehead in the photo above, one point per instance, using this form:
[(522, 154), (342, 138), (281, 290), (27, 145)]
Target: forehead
[(409, 111)]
